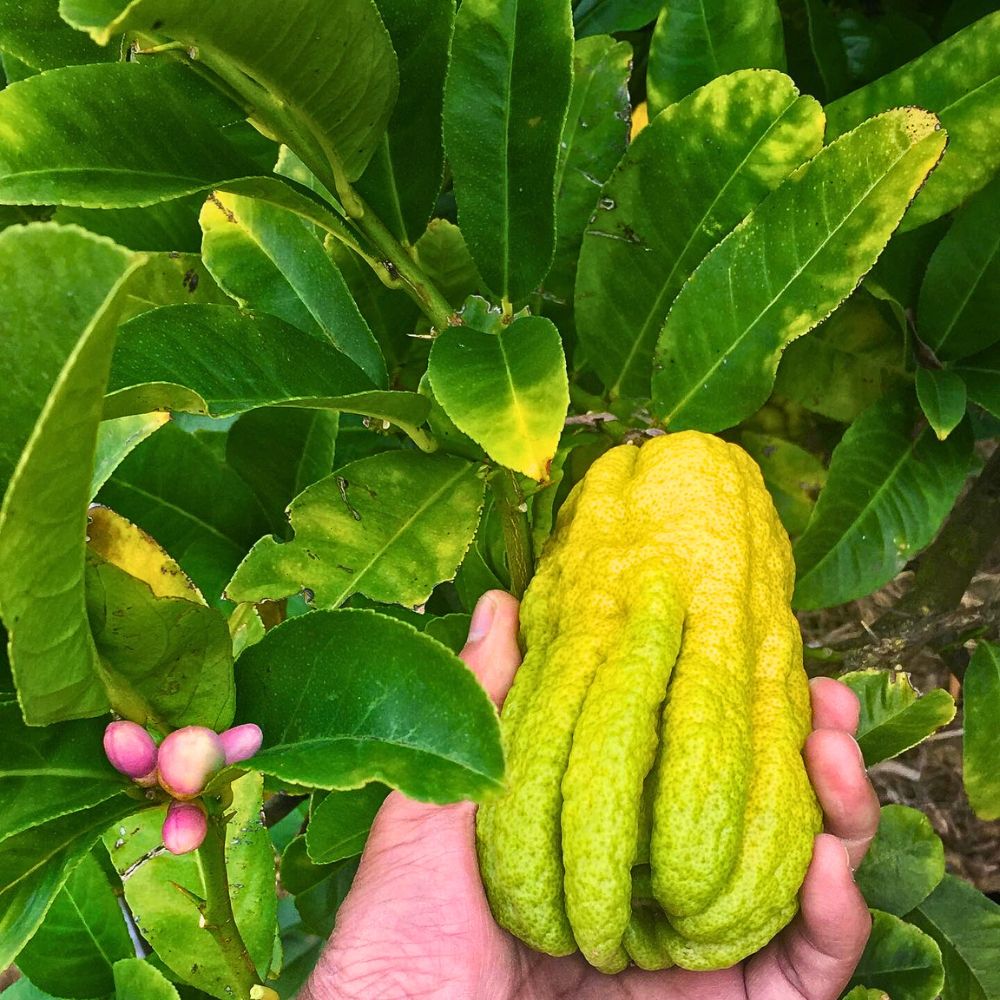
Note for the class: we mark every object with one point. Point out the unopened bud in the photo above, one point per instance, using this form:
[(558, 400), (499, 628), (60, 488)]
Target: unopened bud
[(241, 742), (184, 828), (130, 749), (188, 758)]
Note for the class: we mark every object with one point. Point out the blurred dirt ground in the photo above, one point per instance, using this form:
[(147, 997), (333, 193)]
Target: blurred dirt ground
[(929, 777)]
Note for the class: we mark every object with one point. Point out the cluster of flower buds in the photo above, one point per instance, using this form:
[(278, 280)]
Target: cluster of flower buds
[(182, 766)]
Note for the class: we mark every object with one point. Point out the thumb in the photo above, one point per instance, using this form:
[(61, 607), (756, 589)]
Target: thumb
[(491, 651)]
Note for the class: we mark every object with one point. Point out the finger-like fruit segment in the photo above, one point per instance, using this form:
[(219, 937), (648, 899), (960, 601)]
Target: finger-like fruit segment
[(241, 742), (184, 827), (657, 807), (187, 759), (130, 749)]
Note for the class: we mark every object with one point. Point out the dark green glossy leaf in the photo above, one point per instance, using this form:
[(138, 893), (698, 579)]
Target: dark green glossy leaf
[(887, 493), (268, 259), (816, 56), (169, 920), (904, 863), (959, 309), (602, 17), (687, 180), (403, 178), (697, 40), (348, 697), (168, 226), (900, 959), (450, 630), (43, 518), (340, 823), (981, 375), (507, 391), (343, 53), (391, 527), (798, 256), (505, 102), (958, 80), (893, 716), (33, 32), (82, 936), (299, 873), (981, 710), (943, 398), (966, 924)]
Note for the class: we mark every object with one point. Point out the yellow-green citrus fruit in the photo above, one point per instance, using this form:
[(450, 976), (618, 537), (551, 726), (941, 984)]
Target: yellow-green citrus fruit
[(657, 809)]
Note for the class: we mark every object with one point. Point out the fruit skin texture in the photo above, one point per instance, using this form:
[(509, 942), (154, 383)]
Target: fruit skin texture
[(657, 806)]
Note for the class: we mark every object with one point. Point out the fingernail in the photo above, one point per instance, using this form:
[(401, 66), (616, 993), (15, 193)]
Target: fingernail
[(482, 618)]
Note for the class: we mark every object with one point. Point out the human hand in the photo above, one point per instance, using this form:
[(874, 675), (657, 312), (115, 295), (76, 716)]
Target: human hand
[(416, 923)]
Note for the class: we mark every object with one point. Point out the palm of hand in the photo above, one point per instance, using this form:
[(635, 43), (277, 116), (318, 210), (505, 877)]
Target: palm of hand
[(417, 923)]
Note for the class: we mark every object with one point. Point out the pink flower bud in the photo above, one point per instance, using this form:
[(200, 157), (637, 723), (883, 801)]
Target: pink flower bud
[(188, 758), (184, 828), (241, 742), (130, 749)]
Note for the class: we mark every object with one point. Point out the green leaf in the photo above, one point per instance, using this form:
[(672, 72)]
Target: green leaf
[(343, 53), (901, 960), (508, 391), (136, 979), (171, 279), (35, 864), (402, 181), (904, 863), (847, 363), (792, 476), (966, 924), (450, 630), (505, 102), (280, 451), (43, 518), (959, 309), (81, 938), (198, 509), (50, 771), (981, 709), (943, 398), (602, 17), (981, 375), (697, 40), (816, 56), (168, 226), (348, 697), (958, 80), (444, 257), (299, 873), (169, 919), (594, 138), (116, 439), (68, 152), (217, 360), (894, 717), (391, 527), (887, 493), (688, 178), (863, 993), (24, 989), (34, 33), (339, 825), (796, 258), (267, 259)]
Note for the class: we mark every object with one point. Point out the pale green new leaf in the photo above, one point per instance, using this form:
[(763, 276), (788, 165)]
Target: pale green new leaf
[(444, 257), (137, 979), (347, 697), (981, 747), (170, 920), (221, 361), (331, 70), (943, 398), (268, 260), (688, 178), (506, 94), (958, 312), (966, 925), (863, 993), (116, 439), (904, 863), (900, 959), (43, 518), (82, 936), (887, 493), (507, 391), (959, 81), (697, 40), (391, 527), (893, 716), (786, 268)]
